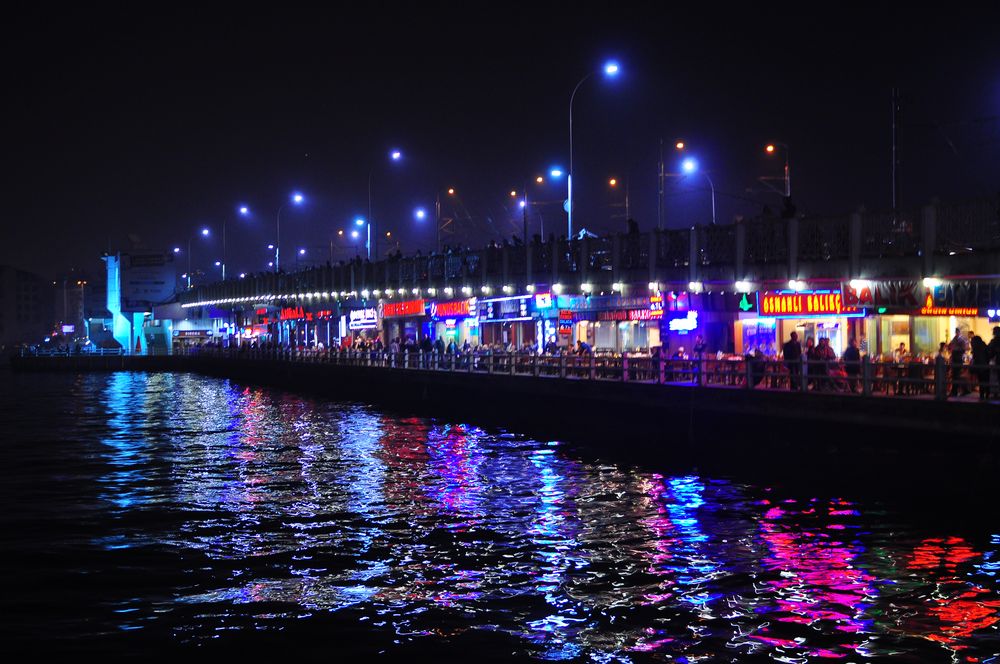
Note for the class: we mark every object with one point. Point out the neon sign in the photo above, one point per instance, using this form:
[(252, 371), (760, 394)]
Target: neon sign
[(363, 319), (629, 315), (930, 310), (800, 304), (408, 308), (458, 309), (686, 324), (543, 300), (655, 305)]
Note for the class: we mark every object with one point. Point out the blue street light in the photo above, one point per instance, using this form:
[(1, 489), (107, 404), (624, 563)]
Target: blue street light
[(302, 252), (395, 155), (611, 69), (204, 232), (556, 172), (177, 250), (359, 221), (354, 234), (420, 214), (243, 211), (296, 199), (690, 167)]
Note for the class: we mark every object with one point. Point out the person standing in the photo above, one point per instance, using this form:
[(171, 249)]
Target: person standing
[(852, 364), (792, 354), (980, 365), (958, 347), (993, 348)]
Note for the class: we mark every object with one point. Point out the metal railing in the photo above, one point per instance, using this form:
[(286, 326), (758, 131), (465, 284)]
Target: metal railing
[(938, 380)]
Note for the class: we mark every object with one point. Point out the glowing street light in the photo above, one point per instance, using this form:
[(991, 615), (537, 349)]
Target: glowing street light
[(296, 199), (395, 155), (690, 167), (204, 233), (611, 70), (243, 211), (771, 148), (420, 214)]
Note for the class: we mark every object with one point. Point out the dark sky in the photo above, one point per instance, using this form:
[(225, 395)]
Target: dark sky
[(148, 125)]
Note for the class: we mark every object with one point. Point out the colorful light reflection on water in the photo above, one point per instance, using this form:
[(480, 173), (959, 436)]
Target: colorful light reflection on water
[(210, 511)]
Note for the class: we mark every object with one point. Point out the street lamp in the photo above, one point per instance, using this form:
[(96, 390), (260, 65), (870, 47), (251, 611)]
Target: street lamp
[(394, 156), (611, 69), (204, 233), (296, 199), (771, 148), (243, 212), (690, 167)]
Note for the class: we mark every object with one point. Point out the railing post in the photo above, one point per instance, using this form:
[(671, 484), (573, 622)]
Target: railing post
[(562, 366), (804, 371), (866, 376), (593, 368), (469, 361), (489, 363), (624, 367), (748, 372), (940, 379), (534, 366), (661, 371), (406, 360), (700, 368), (512, 357)]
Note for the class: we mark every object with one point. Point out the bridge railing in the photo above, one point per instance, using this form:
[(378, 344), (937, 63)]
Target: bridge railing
[(867, 378)]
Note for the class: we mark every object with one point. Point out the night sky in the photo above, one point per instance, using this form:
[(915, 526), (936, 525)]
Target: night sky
[(127, 128)]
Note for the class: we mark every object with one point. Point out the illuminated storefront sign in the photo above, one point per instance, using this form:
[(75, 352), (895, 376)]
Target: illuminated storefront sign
[(457, 309), (505, 309), (804, 304), (684, 325), (889, 294), (629, 315), (930, 310), (298, 313), (565, 322), (407, 308), (656, 305), (543, 300), (363, 319)]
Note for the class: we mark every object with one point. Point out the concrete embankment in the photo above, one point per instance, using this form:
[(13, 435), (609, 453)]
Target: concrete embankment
[(921, 444)]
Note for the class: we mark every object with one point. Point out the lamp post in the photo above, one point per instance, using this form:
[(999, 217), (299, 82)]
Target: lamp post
[(771, 148), (394, 155), (296, 199), (243, 211), (690, 166), (611, 70), (204, 233)]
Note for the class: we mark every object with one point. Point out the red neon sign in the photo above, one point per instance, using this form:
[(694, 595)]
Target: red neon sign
[(803, 304), (408, 308), (930, 310)]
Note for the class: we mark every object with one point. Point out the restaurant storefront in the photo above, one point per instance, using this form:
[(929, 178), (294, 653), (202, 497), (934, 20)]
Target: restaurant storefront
[(812, 314), (455, 321), (920, 315), (508, 321), (404, 320)]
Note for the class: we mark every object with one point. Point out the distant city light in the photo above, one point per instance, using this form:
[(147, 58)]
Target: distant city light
[(177, 250), (204, 232), (513, 193), (243, 275), (539, 179), (395, 155), (244, 210), (613, 182), (218, 263), (302, 252), (451, 192), (770, 148), (679, 145)]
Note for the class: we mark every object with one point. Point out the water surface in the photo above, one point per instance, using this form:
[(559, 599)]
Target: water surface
[(152, 511)]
